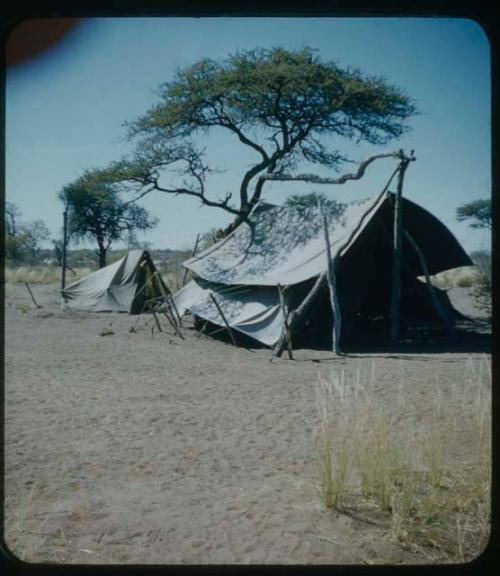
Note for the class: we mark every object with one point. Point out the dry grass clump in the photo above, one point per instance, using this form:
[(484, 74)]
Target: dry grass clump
[(431, 501), (464, 277), (42, 274), (173, 280), (26, 535)]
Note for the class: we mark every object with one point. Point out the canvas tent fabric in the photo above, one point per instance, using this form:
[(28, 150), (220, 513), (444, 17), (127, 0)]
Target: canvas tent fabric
[(123, 286), (285, 246)]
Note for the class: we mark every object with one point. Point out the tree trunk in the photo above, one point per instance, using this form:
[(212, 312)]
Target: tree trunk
[(102, 253)]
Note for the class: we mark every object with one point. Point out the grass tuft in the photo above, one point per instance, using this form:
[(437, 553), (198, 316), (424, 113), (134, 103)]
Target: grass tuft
[(433, 503)]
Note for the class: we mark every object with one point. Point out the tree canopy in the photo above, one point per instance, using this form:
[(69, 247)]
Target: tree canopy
[(97, 212), (478, 213), (312, 200), (284, 106)]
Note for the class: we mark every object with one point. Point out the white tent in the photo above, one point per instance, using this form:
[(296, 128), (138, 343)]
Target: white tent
[(123, 286), (285, 246)]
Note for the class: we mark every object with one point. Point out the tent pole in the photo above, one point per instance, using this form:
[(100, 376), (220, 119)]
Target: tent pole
[(192, 254), (63, 256), (173, 324), (396, 251), (296, 315), (284, 311), (445, 319), (167, 298), (31, 294), (157, 321), (332, 285), (233, 339)]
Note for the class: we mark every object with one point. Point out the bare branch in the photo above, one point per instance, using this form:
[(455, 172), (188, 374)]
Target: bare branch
[(224, 204), (315, 179)]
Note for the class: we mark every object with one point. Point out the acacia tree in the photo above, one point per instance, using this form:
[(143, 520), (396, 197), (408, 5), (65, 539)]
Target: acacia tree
[(96, 211), (478, 213), (284, 106)]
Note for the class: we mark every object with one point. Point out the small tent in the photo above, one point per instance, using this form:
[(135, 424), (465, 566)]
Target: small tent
[(285, 246), (124, 286)]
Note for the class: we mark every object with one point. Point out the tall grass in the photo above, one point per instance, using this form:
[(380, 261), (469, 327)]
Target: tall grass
[(52, 275), (173, 280), (433, 500), (41, 274)]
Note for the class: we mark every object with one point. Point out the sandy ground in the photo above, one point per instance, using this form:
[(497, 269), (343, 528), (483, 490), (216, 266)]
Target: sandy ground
[(137, 447)]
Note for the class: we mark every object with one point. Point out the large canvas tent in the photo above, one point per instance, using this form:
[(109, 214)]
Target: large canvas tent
[(126, 285), (285, 246)]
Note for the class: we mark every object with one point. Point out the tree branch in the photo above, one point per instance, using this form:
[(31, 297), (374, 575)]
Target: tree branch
[(315, 179), (224, 204)]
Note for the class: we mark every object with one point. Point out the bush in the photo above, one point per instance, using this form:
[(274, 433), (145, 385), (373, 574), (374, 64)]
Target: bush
[(482, 281)]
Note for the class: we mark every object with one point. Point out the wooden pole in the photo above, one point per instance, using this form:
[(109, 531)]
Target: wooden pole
[(396, 252), (31, 294), (65, 242), (233, 339), (157, 321), (296, 315), (192, 254), (445, 319), (164, 293), (286, 327), (332, 285)]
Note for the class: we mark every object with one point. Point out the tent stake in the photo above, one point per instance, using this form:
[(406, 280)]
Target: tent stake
[(396, 258), (233, 339), (332, 285), (445, 319), (284, 311)]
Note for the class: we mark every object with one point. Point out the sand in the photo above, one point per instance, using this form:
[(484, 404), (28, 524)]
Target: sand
[(138, 447)]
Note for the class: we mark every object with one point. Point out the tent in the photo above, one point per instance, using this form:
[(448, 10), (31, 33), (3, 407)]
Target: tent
[(239, 277), (124, 286)]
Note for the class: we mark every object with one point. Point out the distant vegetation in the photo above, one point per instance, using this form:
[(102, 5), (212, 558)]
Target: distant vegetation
[(23, 240), (46, 269)]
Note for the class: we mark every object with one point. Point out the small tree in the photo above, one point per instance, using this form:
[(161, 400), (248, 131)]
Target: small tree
[(23, 240), (34, 234), (96, 211), (286, 107), (478, 213)]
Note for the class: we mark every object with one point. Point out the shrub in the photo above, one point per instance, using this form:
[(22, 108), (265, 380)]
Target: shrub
[(482, 284)]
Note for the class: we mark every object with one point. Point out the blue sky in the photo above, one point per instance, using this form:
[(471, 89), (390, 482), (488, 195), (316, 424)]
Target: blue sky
[(65, 110)]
